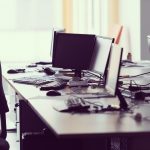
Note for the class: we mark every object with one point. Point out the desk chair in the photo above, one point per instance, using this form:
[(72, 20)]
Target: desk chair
[(3, 109)]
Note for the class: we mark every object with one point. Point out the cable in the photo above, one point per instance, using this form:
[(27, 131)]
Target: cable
[(138, 84), (92, 73), (128, 76), (94, 103), (124, 88), (135, 87)]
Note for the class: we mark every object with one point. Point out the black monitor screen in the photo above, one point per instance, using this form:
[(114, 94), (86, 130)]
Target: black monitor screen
[(73, 51)]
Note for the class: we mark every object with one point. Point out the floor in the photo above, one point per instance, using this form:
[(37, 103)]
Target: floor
[(12, 140), (11, 126)]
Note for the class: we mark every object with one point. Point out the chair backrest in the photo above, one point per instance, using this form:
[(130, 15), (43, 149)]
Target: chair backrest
[(3, 108)]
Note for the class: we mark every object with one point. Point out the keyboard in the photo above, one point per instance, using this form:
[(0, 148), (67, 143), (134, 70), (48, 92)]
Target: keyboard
[(33, 80), (72, 104), (77, 104), (78, 83), (43, 63), (55, 85)]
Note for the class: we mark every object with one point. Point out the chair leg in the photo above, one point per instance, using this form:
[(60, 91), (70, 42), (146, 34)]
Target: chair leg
[(4, 144)]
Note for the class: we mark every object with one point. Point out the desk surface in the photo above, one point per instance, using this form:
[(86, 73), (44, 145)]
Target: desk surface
[(93, 124), (24, 90), (82, 124)]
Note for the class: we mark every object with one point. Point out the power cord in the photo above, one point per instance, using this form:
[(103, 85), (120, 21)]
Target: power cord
[(128, 76), (134, 86)]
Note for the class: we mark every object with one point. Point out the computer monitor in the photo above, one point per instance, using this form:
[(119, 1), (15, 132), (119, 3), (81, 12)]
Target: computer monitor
[(52, 39), (114, 68), (101, 54), (73, 51)]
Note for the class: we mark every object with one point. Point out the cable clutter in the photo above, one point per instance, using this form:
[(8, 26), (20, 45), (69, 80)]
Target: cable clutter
[(136, 91), (141, 95), (78, 104)]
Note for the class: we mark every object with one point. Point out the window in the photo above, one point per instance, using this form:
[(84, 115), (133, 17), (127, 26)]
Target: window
[(25, 28), (90, 16)]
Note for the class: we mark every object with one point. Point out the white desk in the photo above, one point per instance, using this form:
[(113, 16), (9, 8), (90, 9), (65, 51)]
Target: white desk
[(83, 124), (78, 124)]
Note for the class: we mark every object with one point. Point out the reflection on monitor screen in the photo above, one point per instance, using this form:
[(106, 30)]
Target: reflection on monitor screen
[(101, 53), (73, 51)]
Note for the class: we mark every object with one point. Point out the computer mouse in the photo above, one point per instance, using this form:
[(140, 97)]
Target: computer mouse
[(49, 71), (12, 71), (32, 65), (138, 117), (53, 93)]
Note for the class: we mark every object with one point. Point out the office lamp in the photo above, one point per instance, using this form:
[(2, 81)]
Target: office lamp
[(3, 109)]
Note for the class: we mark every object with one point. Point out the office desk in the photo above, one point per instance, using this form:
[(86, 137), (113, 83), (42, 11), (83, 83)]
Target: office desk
[(77, 125), (25, 91), (92, 124)]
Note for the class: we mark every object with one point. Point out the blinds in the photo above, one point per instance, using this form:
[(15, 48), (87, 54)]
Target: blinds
[(25, 28), (90, 16)]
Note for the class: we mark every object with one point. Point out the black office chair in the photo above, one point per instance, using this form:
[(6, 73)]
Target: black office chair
[(4, 145)]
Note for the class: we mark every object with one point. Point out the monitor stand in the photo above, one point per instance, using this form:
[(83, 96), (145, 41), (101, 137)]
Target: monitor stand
[(76, 80), (123, 104), (77, 73)]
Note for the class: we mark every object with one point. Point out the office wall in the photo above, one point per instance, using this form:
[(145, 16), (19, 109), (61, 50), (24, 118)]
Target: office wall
[(113, 12), (129, 17), (25, 45), (134, 14), (86, 16), (67, 15), (30, 14)]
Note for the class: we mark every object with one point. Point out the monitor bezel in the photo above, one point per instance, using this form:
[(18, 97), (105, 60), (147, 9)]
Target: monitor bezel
[(106, 65), (118, 71), (55, 42)]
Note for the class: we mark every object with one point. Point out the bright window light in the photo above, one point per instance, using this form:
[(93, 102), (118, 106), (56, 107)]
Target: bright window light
[(26, 28)]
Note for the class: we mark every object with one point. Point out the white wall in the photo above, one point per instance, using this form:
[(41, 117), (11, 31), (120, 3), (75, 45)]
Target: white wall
[(30, 14), (129, 11), (25, 45)]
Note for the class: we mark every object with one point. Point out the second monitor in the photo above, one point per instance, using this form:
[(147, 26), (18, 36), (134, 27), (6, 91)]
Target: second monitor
[(73, 51), (101, 54)]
